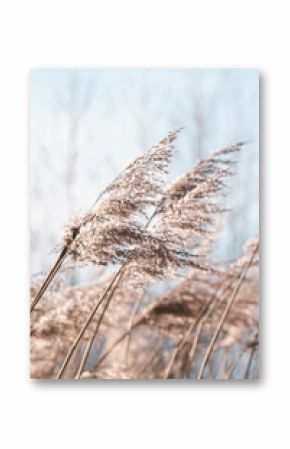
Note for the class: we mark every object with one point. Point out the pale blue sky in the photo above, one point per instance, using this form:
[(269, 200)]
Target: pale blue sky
[(120, 113)]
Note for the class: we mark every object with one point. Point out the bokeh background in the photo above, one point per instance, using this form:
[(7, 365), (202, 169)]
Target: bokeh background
[(86, 125)]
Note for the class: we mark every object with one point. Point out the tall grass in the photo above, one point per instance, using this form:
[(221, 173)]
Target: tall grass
[(146, 233)]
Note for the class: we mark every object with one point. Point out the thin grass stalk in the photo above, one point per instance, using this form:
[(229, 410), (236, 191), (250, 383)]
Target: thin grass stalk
[(250, 361), (198, 331), (53, 271), (191, 328), (232, 368), (207, 313), (148, 362), (194, 343), (223, 364), (135, 310), (48, 278), (203, 314), (177, 350), (224, 316), (90, 343), (85, 326), (124, 335)]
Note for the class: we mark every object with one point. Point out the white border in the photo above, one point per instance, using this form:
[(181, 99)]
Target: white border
[(152, 33)]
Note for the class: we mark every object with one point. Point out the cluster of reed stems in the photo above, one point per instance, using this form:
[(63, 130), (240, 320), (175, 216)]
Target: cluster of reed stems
[(205, 325)]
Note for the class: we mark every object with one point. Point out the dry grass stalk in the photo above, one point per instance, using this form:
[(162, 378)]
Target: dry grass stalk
[(225, 313), (232, 368), (85, 326), (253, 347), (49, 278), (97, 327), (135, 310), (194, 331)]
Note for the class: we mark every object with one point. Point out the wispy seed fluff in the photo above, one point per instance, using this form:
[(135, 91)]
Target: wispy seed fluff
[(107, 233), (186, 220)]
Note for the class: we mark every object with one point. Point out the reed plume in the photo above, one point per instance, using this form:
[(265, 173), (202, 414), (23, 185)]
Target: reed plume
[(186, 217), (187, 212), (219, 162), (108, 235), (153, 234), (102, 235), (109, 232)]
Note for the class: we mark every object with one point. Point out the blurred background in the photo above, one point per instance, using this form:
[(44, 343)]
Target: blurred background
[(86, 125)]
